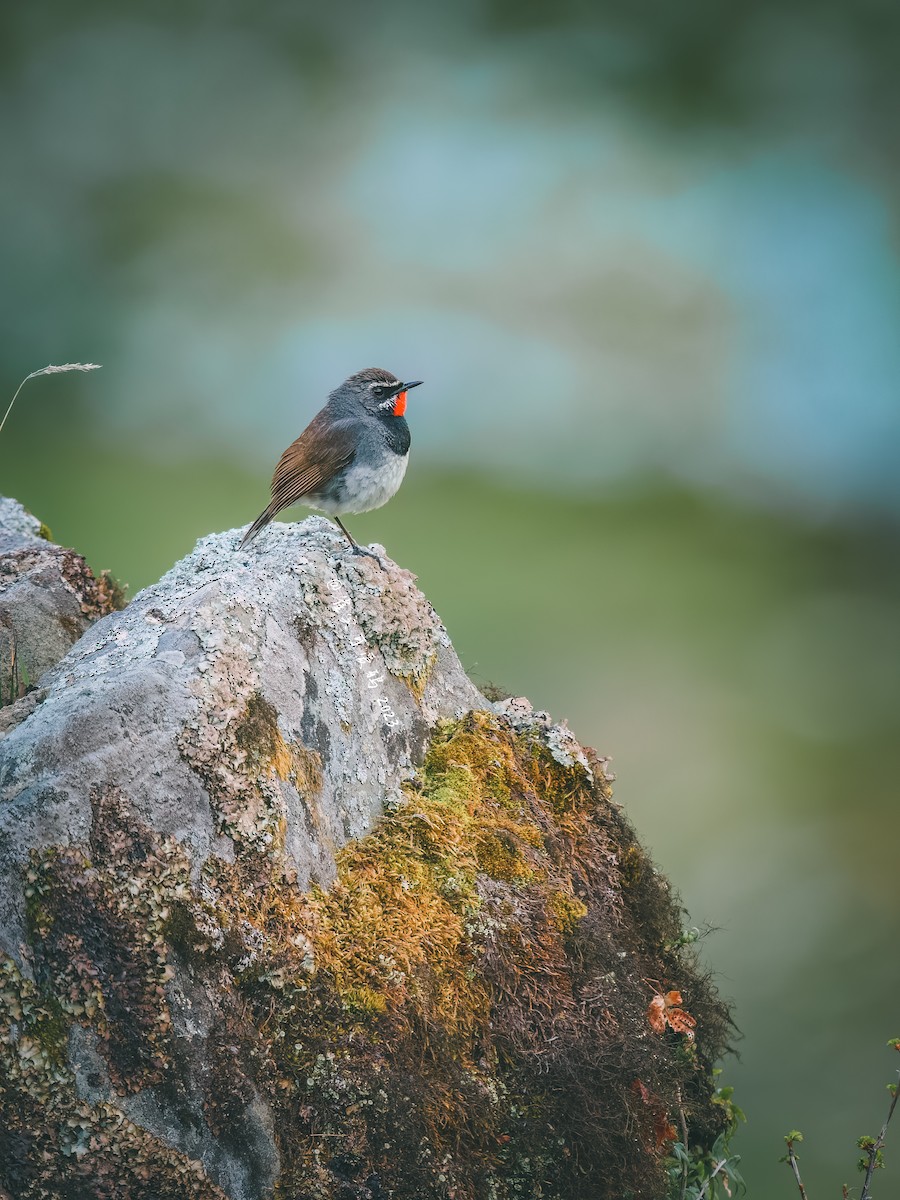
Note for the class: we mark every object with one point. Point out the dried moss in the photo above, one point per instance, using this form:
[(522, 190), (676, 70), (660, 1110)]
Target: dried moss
[(98, 595), (112, 596), (462, 1016)]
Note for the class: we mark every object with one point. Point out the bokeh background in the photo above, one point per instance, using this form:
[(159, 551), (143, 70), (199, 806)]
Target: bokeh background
[(646, 259)]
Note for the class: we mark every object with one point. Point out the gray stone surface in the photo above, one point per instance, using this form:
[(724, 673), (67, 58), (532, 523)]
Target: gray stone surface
[(18, 527), (275, 696), (48, 598)]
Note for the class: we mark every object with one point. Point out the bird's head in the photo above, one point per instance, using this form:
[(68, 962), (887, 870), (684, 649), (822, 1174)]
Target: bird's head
[(378, 391)]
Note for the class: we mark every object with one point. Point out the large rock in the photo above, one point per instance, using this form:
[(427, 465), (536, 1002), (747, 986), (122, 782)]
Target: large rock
[(48, 598), (283, 899), (254, 703), (275, 697)]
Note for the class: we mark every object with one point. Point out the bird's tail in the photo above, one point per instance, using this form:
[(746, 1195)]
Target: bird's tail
[(260, 523)]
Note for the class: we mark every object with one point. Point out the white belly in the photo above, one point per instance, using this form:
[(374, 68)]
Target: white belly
[(365, 488)]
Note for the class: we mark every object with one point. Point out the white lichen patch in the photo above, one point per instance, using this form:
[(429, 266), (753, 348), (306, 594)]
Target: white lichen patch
[(557, 737), (395, 616), (244, 791), (16, 521)]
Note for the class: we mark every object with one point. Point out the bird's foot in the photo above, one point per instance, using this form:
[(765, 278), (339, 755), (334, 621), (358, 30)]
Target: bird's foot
[(368, 554)]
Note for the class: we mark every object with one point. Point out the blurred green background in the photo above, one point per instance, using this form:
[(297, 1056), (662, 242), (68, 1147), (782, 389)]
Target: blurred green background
[(646, 259)]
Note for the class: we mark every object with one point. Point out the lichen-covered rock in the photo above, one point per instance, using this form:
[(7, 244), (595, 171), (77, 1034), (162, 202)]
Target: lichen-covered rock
[(256, 708), (286, 905), (464, 1013), (48, 598)]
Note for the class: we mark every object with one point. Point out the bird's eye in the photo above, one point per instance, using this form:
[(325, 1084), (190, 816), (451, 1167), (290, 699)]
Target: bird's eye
[(380, 390)]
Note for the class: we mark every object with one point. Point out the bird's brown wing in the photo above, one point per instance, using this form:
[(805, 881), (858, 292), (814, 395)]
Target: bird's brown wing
[(322, 449)]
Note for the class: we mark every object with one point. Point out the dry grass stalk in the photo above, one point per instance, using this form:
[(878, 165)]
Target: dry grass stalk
[(49, 370)]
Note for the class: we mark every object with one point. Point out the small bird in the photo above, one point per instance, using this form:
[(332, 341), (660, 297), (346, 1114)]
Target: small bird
[(350, 458)]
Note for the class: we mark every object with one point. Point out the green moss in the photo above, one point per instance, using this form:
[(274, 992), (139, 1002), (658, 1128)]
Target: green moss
[(44, 532), (634, 864), (365, 1000), (52, 1030), (568, 911)]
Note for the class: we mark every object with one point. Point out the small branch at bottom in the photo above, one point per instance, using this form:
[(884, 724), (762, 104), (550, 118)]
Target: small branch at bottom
[(873, 1151), (793, 1163)]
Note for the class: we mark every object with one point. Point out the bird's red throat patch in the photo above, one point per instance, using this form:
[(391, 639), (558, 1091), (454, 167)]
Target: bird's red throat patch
[(400, 404)]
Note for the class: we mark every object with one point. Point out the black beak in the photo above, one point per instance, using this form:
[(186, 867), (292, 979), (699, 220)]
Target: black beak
[(404, 387)]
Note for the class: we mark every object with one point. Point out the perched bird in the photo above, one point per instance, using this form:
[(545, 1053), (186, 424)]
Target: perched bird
[(352, 455)]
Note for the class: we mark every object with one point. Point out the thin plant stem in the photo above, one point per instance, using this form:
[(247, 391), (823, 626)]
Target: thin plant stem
[(873, 1150), (684, 1141), (795, 1167), (49, 370), (718, 1168)]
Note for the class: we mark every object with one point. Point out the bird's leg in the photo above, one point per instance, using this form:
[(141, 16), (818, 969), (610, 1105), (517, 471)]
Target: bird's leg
[(346, 532), (357, 549)]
